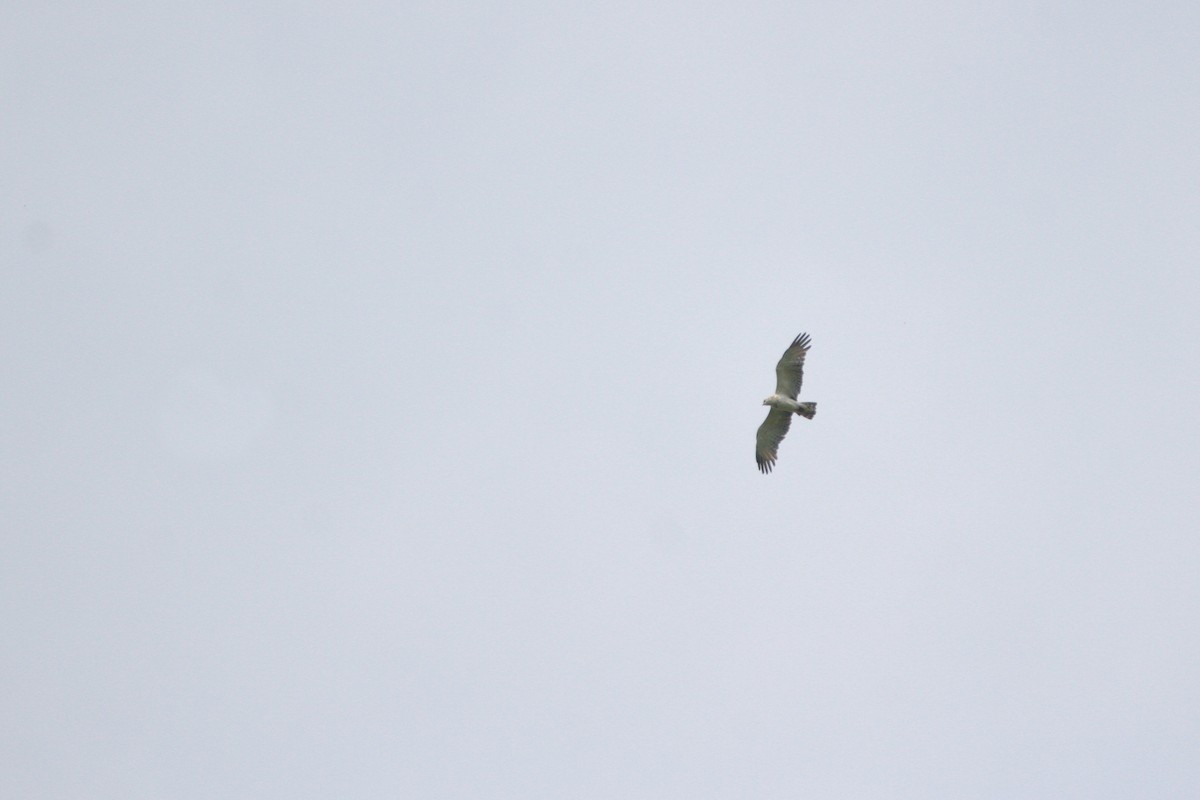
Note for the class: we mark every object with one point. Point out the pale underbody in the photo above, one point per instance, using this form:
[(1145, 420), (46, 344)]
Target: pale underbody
[(782, 403)]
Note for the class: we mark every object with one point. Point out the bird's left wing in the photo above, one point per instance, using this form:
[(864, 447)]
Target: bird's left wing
[(789, 372), (770, 434)]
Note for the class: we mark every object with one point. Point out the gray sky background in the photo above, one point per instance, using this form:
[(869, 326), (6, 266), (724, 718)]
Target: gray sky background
[(380, 384)]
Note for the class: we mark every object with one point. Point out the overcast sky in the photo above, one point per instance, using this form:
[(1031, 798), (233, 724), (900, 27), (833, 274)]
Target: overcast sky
[(380, 380)]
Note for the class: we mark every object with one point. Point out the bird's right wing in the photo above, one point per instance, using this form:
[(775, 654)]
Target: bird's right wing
[(770, 434), (789, 372)]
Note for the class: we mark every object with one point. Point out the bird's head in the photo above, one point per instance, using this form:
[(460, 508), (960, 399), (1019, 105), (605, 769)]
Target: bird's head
[(767, 402)]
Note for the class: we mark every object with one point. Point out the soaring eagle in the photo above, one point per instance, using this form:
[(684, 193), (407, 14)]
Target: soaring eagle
[(789, 374)]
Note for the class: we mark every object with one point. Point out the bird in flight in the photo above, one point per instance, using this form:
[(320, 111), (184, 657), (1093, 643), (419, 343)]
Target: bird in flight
[(789, 374)]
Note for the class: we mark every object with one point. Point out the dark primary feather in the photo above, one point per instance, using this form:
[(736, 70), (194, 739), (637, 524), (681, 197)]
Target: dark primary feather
[(770, 434), (789, 372)]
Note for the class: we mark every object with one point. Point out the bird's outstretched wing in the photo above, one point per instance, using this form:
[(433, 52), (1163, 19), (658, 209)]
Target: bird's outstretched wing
[(770, 434), (789, 372)]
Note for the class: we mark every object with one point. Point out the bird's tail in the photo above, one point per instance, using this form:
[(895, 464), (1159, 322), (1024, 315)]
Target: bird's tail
[(807, 410)]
